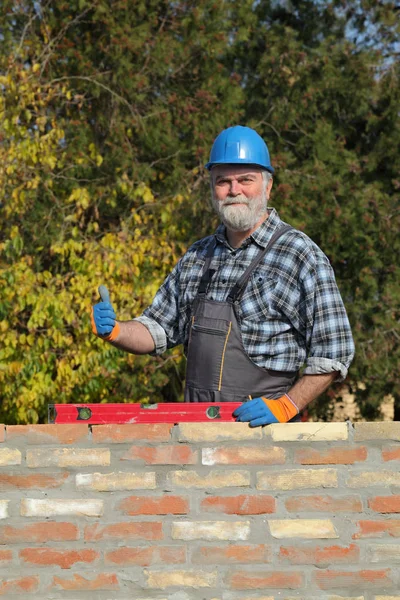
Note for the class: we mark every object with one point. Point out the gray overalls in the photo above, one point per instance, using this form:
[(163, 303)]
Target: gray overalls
[(218, 368)]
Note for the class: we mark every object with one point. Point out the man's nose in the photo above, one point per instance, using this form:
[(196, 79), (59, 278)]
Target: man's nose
[(234, 189)]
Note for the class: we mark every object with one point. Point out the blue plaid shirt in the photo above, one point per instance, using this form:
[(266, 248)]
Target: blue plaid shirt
[(291, 313)]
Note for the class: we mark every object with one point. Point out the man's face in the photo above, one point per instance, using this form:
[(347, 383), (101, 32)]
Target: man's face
[(239, 195)]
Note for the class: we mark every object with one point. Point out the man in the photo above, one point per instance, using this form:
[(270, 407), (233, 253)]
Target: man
[(252, 303)]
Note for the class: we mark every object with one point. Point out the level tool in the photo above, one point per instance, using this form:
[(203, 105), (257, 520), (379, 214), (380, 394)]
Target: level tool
[(169, 412)]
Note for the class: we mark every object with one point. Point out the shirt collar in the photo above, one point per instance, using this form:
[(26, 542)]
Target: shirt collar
[(260, 236)]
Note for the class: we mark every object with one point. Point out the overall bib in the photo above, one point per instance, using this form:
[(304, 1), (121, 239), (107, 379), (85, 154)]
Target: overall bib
[(218, 367)]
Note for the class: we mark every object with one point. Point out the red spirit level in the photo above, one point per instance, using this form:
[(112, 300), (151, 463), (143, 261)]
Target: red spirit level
[(137, 413)]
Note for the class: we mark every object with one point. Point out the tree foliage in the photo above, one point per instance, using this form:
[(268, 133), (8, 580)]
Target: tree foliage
[(107, 114)]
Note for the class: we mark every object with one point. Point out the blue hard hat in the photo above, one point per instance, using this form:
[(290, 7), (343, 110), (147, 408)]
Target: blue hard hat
[(240, 146)]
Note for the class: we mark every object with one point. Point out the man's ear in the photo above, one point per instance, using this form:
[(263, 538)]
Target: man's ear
[(269, 188)]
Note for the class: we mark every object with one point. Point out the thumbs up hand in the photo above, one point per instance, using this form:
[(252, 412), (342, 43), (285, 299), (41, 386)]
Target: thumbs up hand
[(103, 317)]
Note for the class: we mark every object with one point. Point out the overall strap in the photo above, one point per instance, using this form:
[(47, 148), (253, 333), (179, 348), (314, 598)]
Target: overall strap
[(207, 272), (239, 287)]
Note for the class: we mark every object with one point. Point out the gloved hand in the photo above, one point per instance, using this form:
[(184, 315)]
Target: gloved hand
[(262, 411), (103, 318)]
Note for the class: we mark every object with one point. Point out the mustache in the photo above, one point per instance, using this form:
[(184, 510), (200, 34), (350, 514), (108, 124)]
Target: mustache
[(236, 200)]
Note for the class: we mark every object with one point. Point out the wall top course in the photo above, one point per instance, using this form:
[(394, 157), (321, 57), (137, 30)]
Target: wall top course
[(80, 433)]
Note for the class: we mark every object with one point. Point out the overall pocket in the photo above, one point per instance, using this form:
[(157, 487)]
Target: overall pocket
[(206, 351)]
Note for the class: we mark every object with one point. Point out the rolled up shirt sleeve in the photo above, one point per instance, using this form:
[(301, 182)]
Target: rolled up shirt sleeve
[(329, 339), (157, 333)]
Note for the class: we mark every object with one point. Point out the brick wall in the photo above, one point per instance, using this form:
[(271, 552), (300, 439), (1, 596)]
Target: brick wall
[(200, 512)]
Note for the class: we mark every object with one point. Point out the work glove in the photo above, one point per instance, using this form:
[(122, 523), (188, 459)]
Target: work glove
[(262, 411), (103, 319)]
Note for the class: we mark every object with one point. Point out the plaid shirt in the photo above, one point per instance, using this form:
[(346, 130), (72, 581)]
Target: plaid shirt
[(291, 312)]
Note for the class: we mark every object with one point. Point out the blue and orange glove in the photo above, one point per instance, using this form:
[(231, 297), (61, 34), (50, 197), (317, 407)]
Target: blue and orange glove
[(262, 411), (103, 318)]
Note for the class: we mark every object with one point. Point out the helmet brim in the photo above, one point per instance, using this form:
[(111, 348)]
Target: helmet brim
[(210, 165)]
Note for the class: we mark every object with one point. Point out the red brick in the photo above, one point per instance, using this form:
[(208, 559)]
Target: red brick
[(2, 432), (244, 455), (331, 456), (48, 434), (51, 556), (119, 434), (240, 505), (39, 532), (126, 531), (324, 504), (148, 505), (385, 504), (36, 482), (327, 580), (145, 557), (103, 581), (19, 586), (371, 529), (215, 555), (168, 455), (391, 453), (6, 557), (255, 580), (319, 555)]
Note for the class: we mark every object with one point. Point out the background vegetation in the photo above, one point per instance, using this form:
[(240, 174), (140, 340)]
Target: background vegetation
[(108, 110)]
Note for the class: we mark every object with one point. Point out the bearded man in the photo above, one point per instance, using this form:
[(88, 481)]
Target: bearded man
[(252, 304)]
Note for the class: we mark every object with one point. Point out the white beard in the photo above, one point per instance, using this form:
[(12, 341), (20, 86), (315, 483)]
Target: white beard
[(244, 217)]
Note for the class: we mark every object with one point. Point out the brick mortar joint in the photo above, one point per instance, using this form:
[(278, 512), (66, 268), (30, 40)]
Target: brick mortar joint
[(350, 429)]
